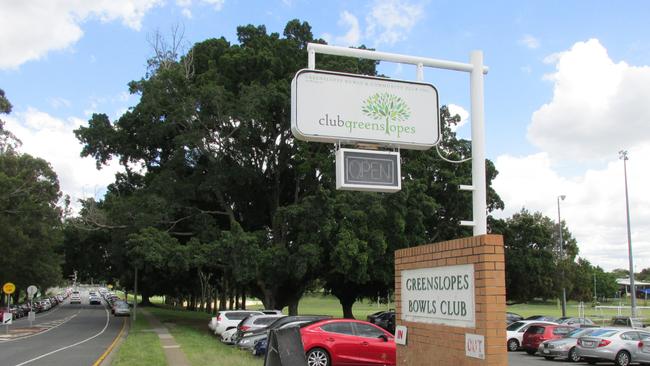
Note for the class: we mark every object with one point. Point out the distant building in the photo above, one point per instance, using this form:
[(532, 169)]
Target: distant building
[(642, 288)]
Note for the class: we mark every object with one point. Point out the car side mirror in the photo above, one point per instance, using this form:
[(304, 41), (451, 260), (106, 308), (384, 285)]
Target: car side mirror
[(384, 337)]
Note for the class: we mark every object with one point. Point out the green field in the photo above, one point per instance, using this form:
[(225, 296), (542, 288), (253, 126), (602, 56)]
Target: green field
[(190, 329)]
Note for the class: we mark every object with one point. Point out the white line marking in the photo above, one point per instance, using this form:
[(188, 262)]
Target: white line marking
[(72, 345), (45, 331)]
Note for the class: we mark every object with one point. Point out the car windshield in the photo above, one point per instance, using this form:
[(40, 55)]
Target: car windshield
[(603, 333), (514, 326)]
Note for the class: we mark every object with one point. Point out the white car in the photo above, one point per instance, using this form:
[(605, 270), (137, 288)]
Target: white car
[(515, 332), (228, 319), (227, 336)]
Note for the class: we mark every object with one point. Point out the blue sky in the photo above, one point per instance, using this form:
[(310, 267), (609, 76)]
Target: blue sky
[(568, 86)]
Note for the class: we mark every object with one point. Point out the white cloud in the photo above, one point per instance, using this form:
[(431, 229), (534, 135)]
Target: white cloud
[(52, 139), (216, 4), (598, 106), (58, 102), (460, 111), (58, 24), (353, 35), (529, 41), (187, 13), (390, 21), (594, 208)]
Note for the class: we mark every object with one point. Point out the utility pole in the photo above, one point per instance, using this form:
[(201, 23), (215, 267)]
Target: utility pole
[(559, 225), (623, 156)]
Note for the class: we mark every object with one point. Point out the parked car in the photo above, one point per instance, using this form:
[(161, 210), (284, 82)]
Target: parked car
[(618, 345), (543, 318), (564, 347), (643, 355), (121, 308), (227, 335), (625, 322), (538, 333), (513, 317), (251, 337), (577, 322), (385, 320), (260, 347), (228, 319), (515, 333), (334, 342), (253, 322)]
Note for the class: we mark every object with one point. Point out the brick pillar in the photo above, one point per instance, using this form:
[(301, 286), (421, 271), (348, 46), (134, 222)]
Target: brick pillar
[(437, 344)]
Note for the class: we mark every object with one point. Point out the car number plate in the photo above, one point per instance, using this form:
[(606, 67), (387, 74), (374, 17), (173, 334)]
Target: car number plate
[(546, 351), (588, 344)]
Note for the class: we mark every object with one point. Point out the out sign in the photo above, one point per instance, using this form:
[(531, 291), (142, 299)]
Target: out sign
[(400, 335), (475, 346)]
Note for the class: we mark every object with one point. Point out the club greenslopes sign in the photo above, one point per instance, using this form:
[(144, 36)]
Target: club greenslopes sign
[(441, 295), (335, 107)]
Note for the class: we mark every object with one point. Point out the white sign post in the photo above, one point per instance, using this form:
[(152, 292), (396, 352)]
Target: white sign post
[(440, 295)]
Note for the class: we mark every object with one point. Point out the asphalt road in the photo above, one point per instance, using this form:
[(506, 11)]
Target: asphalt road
[(70, 335), (523, 359)]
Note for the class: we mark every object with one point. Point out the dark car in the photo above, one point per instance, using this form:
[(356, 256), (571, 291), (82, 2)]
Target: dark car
[(254, 322), (260, 347), (538, 333), (250, 338), (387, 321), (543, 318), (512, 317)]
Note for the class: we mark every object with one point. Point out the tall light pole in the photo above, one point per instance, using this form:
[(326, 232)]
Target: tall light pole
[(559, 225), (623, 156)]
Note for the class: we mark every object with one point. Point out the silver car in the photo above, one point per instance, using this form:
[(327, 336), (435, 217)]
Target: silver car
[(564, 347), (644, 350), (618, 345)]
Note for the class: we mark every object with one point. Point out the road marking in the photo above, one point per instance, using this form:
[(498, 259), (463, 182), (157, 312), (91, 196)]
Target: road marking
[(110, 348), (72, 345), (65, 320)]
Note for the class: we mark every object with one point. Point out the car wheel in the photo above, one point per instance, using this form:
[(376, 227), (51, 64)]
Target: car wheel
[(318, 357), (622, 359), (573, 355), (513, 345), (530, 351)]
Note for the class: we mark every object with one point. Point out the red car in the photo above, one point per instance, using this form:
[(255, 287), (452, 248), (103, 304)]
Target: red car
[(538, 333), (338, 342)]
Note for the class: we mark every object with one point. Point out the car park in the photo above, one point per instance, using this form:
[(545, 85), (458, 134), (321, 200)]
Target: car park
[(334, 342), (229, 319), (564, 347), (622, 346), (515, 333), (538, 333), (625, 322)]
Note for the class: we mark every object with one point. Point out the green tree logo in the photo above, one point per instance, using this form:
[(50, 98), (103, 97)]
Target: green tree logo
[(386, 106)]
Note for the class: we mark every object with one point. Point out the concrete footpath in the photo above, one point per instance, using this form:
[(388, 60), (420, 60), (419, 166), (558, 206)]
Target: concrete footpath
[(173, 352)]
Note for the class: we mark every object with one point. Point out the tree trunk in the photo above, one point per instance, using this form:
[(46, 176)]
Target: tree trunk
[(346, 304), (222, 300), (237, 300), (145, 298), (293, 307), (243, 300), (231, 302)]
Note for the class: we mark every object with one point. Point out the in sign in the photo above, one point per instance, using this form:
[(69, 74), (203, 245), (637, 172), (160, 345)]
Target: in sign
[(366, 170), (400, 334)]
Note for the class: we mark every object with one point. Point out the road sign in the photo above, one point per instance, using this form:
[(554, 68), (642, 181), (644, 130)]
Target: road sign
[(7, 318), (9, 288), (335, 107), (31, 316), (367, 170), (31, 291)]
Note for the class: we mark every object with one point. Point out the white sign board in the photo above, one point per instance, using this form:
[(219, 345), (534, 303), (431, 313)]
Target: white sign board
[(335, 107), (400, 334), (441, 295), (31, 291), (7, 318), (475, 346), (31, 316)]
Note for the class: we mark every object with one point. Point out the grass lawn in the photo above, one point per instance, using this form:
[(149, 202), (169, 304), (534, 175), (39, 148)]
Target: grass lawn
[(141, 348)]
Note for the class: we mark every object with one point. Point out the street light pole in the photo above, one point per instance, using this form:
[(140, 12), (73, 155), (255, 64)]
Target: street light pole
[(623, 156), (559, 225)]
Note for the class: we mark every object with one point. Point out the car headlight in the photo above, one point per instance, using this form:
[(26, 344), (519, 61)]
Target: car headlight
[(245, 341)]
